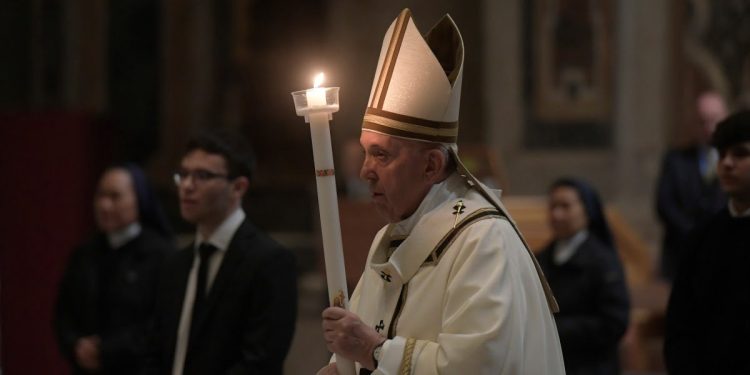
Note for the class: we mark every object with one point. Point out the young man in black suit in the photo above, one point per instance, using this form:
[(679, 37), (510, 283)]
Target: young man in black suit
[(707, 323), (228, 301)]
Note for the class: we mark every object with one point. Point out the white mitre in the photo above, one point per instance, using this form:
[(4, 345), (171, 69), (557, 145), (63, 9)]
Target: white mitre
[(416, 92)]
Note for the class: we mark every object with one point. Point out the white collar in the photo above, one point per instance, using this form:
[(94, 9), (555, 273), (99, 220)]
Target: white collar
[(566, 248), (735, 214), (222, 236), (119, 238), (438, 194)]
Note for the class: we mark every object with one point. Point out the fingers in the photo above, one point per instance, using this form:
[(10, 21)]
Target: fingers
[(336, 318), (331, 336), (334, 313)]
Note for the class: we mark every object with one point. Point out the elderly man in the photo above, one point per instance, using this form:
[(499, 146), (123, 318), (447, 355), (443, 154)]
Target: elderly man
[(688, 192), (450, 286)]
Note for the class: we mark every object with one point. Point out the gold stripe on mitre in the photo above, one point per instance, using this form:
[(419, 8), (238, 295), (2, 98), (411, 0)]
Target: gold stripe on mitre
[(409, 127), (389, 63)]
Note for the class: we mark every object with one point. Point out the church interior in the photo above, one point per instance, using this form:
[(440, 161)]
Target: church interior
[(594, 89)]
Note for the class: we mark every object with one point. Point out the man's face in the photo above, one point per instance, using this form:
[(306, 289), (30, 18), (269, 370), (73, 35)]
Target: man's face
[(115, 203), (734, 170), (712, 110), (395, 170), (205, 200)]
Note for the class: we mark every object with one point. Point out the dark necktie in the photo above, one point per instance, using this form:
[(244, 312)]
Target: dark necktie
[(205, 251)]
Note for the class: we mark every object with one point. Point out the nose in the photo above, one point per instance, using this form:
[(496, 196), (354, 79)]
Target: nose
[(367, 172), (555, 214), (725, 160), (186, 183), (103, 204)]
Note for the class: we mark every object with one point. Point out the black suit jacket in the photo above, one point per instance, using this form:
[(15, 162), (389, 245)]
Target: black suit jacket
[(683, 200), (591, 291), (708, 323), (250, 312)]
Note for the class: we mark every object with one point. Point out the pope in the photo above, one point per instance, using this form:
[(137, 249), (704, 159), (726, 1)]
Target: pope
[(449, 285)]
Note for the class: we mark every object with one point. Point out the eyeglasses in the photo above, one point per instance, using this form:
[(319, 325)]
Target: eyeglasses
[(199, 176)]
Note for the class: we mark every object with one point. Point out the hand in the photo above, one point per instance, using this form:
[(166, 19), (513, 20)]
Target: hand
[(87, 352), (348, 336), (330, 369)]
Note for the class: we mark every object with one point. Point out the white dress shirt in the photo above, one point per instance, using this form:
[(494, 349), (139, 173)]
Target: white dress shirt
[(221, 239), (734, 213)]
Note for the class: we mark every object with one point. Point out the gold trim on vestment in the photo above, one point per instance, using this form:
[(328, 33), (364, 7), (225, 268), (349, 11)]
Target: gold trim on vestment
[(405, 368), (397, 313), (448, 238), (474, 184)]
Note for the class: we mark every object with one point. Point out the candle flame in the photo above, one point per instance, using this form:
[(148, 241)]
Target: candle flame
[(318, 80)]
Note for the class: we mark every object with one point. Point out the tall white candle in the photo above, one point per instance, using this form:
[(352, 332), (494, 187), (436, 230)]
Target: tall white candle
[(317, 111)]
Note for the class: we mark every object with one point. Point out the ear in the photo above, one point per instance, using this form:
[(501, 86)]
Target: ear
[(435, 165), (240, 185)]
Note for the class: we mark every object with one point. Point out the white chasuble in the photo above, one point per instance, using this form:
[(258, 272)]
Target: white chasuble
[(455, 291)]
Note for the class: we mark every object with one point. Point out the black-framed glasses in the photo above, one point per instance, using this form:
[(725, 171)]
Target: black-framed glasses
[(199, 176)]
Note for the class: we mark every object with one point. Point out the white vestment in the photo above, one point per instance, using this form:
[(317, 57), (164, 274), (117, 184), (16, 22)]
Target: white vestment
[(455, 290)]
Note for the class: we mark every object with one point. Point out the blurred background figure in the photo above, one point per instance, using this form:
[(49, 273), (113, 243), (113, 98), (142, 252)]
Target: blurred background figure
[(227, 302), (585, 273), (707, 321), (107, 294), (688, 191)]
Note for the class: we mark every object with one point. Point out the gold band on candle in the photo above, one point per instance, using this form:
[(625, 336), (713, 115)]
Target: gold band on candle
[(338, 300), (324, 172)]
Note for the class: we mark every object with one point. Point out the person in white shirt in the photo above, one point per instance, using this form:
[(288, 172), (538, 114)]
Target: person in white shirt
[(227, 302)]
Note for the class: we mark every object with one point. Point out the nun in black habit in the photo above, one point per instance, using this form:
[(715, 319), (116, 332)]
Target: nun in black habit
[(586, 276), (107, 293)]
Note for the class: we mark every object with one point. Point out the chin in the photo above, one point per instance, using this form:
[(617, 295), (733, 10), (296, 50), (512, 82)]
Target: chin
[(187, 216), (729, 188), (382, 212), (106, 228)]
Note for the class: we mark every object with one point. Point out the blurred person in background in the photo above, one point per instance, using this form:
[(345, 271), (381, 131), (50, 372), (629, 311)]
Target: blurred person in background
[(586, 276), (688, 191), (107, 293), (228, 301), (707, 322)]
